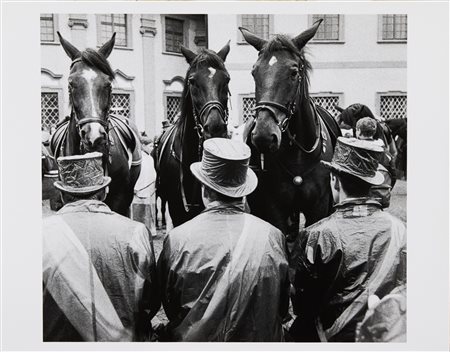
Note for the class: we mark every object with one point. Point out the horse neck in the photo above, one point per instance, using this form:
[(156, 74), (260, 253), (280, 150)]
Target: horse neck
[(303, 124), (188, 137)]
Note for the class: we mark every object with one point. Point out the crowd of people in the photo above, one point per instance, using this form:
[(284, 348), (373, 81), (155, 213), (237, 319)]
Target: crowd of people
[(227, 275)]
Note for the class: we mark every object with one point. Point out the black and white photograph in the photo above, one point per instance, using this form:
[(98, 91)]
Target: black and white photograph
[(240, 175), (224, 178)]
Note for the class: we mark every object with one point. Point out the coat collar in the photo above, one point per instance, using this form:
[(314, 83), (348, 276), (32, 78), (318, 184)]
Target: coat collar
[(85, 206)]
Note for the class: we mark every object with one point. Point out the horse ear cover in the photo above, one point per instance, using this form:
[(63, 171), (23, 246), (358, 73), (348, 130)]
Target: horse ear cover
[(252, 39), (188, 54), (223, 53), (106, 48), (70, 50), (304, 37)]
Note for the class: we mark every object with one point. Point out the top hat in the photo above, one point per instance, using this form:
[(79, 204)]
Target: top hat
[(224, 167), (81, 174), (358, 158)]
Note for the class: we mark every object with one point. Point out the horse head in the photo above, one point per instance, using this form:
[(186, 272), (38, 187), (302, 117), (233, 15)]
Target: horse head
[(207, 90), (281, 81), (90, 81)]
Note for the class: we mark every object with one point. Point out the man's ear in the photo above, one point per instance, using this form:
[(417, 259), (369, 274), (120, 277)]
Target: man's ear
[(335, 182)]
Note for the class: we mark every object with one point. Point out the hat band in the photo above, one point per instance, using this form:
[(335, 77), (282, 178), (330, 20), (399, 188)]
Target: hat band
[(226, 173)]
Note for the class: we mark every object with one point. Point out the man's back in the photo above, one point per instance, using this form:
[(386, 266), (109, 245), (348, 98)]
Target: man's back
[(121, 253), (357, 250), (224, 278)]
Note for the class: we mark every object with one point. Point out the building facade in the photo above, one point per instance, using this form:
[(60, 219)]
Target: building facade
[(355, 58)]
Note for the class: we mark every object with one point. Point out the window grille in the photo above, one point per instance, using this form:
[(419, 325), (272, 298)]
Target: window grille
[(174, 34), (173, 104), (394, 27), (111, 23), (121, 104), (257, 24), (393, 106), (47, 28), (248, 103), (328, 102), (49, 110), (328, 29)]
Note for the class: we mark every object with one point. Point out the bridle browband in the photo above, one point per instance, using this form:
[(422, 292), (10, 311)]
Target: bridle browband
[(80, 123)]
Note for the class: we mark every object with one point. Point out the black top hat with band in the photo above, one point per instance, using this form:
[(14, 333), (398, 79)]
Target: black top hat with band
[(358, 158), (224, 167), (81, 174)]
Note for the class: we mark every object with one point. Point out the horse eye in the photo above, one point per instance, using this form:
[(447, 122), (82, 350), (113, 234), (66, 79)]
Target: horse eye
[(191, 80), (294, 72)]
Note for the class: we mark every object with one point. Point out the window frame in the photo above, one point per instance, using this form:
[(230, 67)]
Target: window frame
[(389, 93), (167, 94), (128, 29), (185, 33), (390, 41), (340, 96), (341, 32), (241, 104), (240, 38), (55, 29), (59, 91), (130, 92)]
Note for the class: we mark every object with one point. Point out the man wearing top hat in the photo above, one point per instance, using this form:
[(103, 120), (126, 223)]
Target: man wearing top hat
[(224, 274), (358, 251), (99, 271)]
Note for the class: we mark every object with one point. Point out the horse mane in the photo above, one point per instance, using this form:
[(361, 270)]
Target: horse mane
[(282, 42), (96, 60), (205, 57)]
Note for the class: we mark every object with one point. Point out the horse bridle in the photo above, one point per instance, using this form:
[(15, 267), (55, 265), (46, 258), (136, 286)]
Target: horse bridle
[(288, 109), (81, 122), (223, 111)]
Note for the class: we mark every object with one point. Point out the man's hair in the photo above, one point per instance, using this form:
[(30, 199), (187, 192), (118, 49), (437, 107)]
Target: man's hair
[(367, 126), (353, 186), (71, 197), (213, 195)]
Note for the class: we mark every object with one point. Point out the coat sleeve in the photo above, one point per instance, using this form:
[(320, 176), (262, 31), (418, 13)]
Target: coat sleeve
[(144, 263), (318, 262)]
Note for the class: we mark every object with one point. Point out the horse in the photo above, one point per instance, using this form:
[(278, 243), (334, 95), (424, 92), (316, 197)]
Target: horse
[(90, 127), (203, 115), (289, 135), (400, 135)]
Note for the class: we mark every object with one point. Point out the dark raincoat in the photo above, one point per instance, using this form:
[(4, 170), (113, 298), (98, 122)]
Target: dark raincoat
[(340, 261), (99, 276), (224, 277)]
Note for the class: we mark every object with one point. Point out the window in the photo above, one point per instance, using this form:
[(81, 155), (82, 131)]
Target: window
[(121, 104), (330, 30), (49, 109), (328, 101), (110, 23), (392, 105), (174, 34), (257, 24), (172, 104), (393, 28), (47, 28), (248, 103)]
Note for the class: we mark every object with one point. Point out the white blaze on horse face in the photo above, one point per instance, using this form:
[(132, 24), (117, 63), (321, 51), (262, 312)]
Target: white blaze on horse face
[(273, 60), (90, 75), (212, 72), (95, 129)]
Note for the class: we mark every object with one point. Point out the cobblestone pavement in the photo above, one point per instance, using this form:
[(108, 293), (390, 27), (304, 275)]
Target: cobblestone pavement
[(397, 208)]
